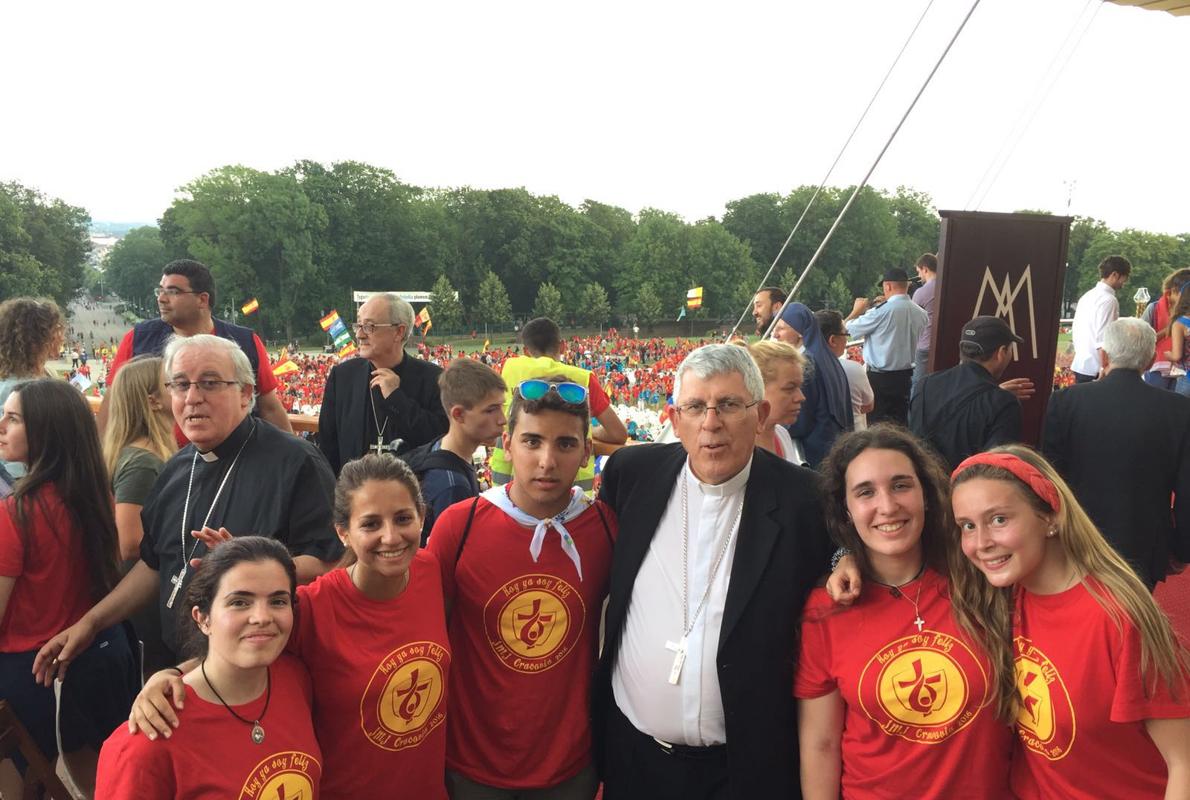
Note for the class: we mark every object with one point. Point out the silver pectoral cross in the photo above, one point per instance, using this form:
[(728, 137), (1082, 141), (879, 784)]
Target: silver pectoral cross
[(380, 447), (679, 651), (176, 580), (919, 622)]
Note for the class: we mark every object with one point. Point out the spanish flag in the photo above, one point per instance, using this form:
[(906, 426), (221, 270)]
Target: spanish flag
[(250, 307), (694, 298), (347, 350), (329, 320), (423, 318), (284, 364)]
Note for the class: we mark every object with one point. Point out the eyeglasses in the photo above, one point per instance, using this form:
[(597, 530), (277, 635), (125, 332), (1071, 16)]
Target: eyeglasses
[(726, 409), (205, 385), (370, 327), (172, 291), (535, 389)]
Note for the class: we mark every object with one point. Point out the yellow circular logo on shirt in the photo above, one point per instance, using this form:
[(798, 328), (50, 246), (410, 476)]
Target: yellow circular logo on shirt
[(288, 775), (533, 622), (1045, 722), (404, 700), (923, 688)]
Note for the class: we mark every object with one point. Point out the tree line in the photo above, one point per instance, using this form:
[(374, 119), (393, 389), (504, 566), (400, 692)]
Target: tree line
[(300, 239)]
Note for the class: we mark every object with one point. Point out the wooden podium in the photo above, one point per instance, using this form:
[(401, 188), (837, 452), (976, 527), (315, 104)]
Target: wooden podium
[(1011, 266)]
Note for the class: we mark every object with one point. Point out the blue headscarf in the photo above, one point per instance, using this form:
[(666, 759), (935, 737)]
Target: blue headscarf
[(827, 369)]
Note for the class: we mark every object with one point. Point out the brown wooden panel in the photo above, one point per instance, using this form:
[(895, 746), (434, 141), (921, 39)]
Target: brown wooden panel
[(1011, 266)]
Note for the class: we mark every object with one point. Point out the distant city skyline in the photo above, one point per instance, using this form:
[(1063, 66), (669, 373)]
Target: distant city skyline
[(681, 107)]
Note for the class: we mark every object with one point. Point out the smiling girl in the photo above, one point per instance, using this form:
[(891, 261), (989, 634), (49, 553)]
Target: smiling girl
[(1086, 662), (373, 633), (891, 694)]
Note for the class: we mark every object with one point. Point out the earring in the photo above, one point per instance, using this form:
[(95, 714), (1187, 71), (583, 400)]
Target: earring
[(1052, 533)]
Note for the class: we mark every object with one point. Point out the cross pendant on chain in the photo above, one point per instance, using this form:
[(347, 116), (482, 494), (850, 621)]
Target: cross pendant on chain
[(919, 622), (380, 447), (176, 580), (679, 651)]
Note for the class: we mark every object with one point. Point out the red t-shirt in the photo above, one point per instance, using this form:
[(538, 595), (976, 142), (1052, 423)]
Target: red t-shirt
[(211, 755), (266, 381), (525, 638), (917, 723), (52, 589), (1081, 726), (596, 398), (380, 697)]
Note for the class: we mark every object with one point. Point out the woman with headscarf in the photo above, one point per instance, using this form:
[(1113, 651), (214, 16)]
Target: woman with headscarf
[(826, 412)]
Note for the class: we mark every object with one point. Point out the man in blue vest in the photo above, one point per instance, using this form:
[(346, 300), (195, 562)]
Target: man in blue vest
[(185, 297)]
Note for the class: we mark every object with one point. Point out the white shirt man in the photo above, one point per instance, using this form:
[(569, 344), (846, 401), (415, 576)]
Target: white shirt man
[(1095, 311)]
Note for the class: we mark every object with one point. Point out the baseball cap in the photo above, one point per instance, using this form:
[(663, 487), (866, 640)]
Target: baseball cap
[(988, 333), (895, 275)]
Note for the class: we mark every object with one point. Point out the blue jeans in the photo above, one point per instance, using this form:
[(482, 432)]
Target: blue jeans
[(1155, 378), (1182, 387)]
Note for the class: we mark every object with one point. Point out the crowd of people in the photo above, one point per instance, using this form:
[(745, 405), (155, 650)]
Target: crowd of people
[(365, 616)]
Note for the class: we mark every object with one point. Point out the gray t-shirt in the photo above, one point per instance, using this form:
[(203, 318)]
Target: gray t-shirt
[(136, 471)]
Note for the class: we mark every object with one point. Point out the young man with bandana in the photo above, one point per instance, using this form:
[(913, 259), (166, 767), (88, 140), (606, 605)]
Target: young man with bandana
[(525, 568)]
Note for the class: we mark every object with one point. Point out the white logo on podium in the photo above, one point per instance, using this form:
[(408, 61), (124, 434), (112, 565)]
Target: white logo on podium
[(1005, 296)]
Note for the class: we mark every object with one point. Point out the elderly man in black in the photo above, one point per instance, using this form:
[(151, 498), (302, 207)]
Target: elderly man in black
[(386, 400), (239, 473)]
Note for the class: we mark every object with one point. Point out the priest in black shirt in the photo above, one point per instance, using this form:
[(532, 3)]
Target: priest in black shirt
[(239, 473), (385, 394)]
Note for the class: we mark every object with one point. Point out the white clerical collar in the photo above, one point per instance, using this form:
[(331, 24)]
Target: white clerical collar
[(730, 486), (210, 456)]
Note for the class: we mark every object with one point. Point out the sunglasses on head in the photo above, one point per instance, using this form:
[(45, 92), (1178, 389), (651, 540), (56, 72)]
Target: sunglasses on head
[(536, 389)]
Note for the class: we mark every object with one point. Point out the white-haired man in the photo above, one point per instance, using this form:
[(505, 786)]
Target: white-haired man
[(719, 545), (238, 474), (385, 395), (1124, 448)]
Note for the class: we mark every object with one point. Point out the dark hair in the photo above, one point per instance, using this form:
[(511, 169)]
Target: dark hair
[(776, 294), (1182, 307), (27, 327), (205, 584), (830, 323), (935, 489), (371, 467), (197, 273), (1115, 264), (64, 451), (541, 336), (929, 261), (466, 382), (551, 401), (1178, 279), (973, 351)]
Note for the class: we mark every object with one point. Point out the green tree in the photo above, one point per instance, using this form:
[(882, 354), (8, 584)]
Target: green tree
[(594, 308), (549, 303), (648, 306), (493, 306), (133, 267), (44, 244), (446, 312)]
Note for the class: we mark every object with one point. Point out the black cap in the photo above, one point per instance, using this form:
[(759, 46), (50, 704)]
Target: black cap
[(988, 333), (895, 275)]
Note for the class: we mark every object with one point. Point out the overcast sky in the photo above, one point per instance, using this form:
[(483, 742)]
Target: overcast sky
[(675, 105)]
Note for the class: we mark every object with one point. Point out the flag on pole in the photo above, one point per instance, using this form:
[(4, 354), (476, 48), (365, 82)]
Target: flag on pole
[(423, 319), (486, 344), (347, 349), (250, 307), (284, 364), (694, 298), (329, 320)]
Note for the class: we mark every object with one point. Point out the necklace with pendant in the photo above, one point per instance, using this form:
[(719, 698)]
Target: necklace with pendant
[(895, 591), (257, 728)]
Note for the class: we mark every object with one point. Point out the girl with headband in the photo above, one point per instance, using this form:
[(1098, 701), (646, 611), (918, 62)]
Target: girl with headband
[(1086, 663), (893, 697)]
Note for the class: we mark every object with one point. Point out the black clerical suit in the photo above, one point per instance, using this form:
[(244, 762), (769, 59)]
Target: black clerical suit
[(414, 412), (281, 487), (962, 411), (781, 551), (1124, 448)]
